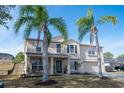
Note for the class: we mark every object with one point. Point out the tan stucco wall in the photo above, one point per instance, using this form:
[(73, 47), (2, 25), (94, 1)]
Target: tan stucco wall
[(82, 54)]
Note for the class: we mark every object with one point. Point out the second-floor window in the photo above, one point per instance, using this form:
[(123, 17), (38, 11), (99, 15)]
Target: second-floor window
[(91, 52), (38, 48), (71, 48), (58, 48)]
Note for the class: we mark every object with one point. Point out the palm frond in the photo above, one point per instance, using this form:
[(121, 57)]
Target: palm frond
[(107, 19), (83, 21), (60, 25), (84, 25), (5, 15), (21, 21), (89, 12), (82, 31), (27, 30), (26, 10)]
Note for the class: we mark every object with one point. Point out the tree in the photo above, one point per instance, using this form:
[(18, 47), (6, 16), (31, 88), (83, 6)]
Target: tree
[(5, 14), (36, 17), (121, 56), (19, 57), (108, 55), (87, 24)]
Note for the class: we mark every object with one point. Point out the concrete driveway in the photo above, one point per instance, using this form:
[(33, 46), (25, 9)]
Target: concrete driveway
[(114, 75)]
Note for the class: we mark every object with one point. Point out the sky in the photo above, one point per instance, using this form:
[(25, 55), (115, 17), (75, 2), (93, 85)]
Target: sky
[(110, 37)]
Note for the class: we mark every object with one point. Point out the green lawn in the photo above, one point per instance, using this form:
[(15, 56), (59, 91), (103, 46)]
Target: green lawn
[(76, 81)]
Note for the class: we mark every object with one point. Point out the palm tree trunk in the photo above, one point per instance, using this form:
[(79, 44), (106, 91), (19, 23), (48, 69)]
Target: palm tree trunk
[(38, 38), (25, 64), (98, 55), (45, 57)]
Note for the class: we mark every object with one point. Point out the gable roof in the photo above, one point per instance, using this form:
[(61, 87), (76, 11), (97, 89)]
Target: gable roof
[(6, 55), (59, 39)]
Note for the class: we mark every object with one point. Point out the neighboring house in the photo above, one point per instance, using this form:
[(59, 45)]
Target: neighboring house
[(5, 63), (112, 63), (4, 57), (72, 57)]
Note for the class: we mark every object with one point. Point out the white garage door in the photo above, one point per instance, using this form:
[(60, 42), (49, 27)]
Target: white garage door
[(91, 67)]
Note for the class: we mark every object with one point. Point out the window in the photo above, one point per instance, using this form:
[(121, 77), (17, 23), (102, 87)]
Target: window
[(67, 48), (58, 48), (38, 49), (37, 65), (91, 52), (71, 49), (74, 65), (40, 66)]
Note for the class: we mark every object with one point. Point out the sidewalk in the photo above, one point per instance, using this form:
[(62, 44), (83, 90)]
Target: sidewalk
[(112, 75)]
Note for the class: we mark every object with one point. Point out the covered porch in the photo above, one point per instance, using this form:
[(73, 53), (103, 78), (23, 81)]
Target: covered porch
[(58, 64)]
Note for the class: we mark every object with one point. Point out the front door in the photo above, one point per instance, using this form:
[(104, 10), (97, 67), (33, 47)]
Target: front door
[(58, 67)]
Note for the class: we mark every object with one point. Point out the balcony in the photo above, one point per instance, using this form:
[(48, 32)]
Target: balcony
[(34, 50)]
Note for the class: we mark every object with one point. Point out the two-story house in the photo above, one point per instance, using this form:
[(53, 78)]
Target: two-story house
[(72, 57)]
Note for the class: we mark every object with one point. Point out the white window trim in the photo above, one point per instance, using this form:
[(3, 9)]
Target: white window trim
[(40, 45), (60, 49), (37, 65), (92, 52), (74, 49)]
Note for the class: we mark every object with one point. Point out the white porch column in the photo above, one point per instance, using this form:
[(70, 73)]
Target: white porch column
[(51, 67), (68, 68), (25, 65)]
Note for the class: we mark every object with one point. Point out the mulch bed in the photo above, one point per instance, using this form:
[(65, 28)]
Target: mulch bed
[(49, 82), (104, 77)]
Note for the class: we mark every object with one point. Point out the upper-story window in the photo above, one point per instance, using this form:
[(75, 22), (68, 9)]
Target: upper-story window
[(71, 49), (91, 52), (38, 48), (58, 48)]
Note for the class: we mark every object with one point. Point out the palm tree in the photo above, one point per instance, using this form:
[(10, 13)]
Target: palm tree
[(36, 18), (5, 14), (88, 24)]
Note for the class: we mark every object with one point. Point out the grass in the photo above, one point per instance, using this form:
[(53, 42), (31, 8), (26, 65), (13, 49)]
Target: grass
[(65, 81)]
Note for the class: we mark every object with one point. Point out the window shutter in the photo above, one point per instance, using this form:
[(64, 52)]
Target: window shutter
[(75, 49), (67, 48)]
